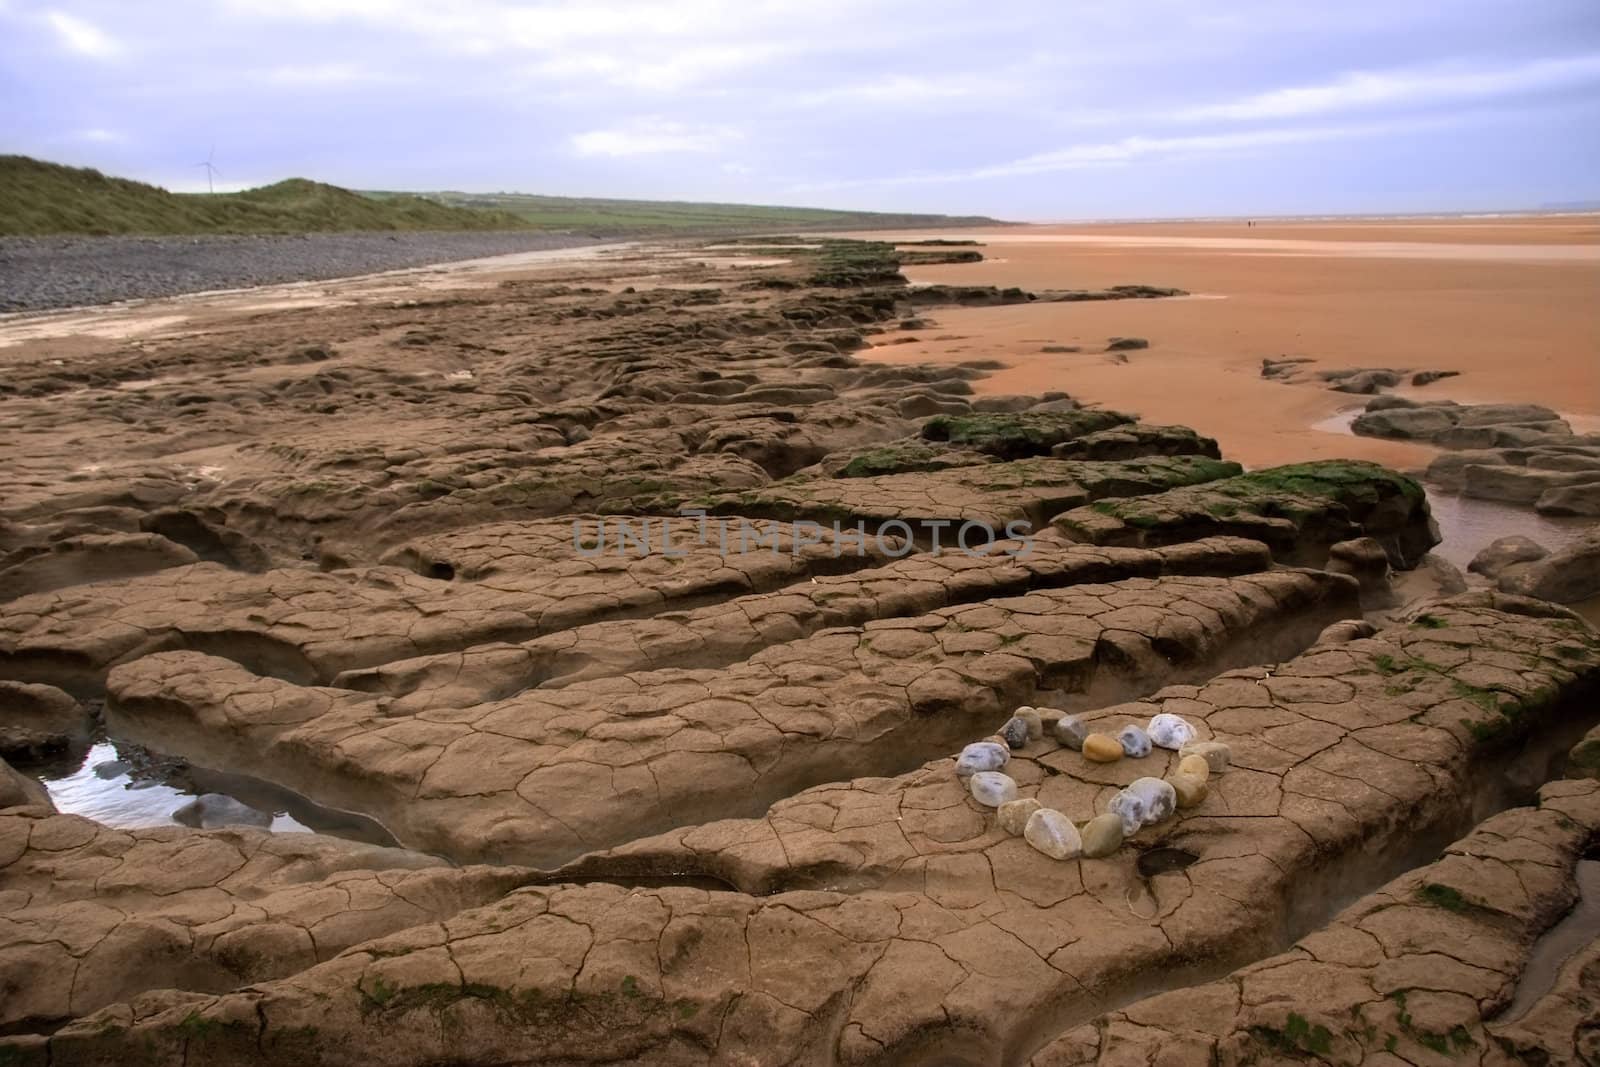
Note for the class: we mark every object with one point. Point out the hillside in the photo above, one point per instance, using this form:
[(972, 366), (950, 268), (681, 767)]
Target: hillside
[(39, 198), (598, 215)]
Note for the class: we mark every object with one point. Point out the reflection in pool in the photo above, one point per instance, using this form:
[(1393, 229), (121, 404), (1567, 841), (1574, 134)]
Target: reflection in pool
[(1467, 525), (120, 784), (119, 789)]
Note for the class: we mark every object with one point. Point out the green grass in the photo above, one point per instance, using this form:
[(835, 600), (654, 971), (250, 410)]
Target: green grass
[(44, 198), (1295, 492), (37, 198), (1019, 435), (606, 216), (1298, 1036), (1443, 896)]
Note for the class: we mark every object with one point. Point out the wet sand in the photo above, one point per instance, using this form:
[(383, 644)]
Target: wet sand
[(1510, 303)]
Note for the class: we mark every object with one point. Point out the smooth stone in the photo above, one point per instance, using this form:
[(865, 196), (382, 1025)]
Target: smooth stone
[(1013, 814), (1189, 789), (1160, 799), (212, 810), (1128, 808), (1170, 731), (1071, 731), (1504, 552), (1015, 731), (1035, 723), (1217, 754), (1102, 748), (1194, 766), (1102, 835), (1135, 742), (992, 789), (1052, 833), (982, 756), (22, 790)]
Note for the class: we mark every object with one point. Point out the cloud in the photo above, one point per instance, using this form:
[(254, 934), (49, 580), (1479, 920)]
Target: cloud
[(651, 137), (1368, 89), (100, 136), (323, 74), (659, 70), (80, 36), (1142, 149), (645, 45), (900, 90), (927, 104)]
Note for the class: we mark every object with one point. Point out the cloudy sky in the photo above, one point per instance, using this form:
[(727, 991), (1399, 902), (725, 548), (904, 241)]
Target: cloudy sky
[(1026, 110)]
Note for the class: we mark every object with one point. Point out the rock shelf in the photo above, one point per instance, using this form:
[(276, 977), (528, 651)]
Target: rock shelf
[(1122, 776)]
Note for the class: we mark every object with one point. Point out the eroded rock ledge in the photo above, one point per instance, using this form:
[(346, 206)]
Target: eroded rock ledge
[(1415, 973), (955, 936), (336, 550)]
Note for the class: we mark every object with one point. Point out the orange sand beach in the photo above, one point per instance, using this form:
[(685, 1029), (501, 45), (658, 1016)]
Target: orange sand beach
[(1513, 304)]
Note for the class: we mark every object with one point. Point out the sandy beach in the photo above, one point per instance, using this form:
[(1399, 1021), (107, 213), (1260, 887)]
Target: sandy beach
[(1510, 303)]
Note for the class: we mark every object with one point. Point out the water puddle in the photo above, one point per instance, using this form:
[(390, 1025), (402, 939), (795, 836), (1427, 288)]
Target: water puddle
[(1467, 525), (126, 786), (1579, 929), (1338, 422), (121, 788)]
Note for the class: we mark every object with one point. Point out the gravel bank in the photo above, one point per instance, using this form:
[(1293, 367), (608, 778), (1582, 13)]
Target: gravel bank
[(56, 272)]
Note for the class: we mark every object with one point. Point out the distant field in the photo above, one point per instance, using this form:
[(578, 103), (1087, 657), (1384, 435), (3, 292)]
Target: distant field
[(39, 198), (601, 216)]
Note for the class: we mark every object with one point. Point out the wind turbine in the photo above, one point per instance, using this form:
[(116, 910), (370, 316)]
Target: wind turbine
[(211, 172)]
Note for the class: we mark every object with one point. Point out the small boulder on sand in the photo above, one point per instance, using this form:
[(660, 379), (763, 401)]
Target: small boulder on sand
[(1565, 577), (1503, 552)]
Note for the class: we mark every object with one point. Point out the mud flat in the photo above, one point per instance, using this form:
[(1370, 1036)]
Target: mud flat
[(671, 651), (1504, 302)]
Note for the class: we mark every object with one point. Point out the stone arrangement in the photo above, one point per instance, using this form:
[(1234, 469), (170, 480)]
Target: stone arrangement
[(1145, 802)]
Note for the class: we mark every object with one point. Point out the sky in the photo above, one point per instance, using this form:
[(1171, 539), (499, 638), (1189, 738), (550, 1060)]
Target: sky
[(1029, 110)]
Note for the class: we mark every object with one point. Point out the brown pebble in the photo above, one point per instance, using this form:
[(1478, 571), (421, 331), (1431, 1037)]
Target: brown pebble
[(1013, 814), (1102, 748), (1102, 835), (1195, 766), (1216, 754), (1190, 789)]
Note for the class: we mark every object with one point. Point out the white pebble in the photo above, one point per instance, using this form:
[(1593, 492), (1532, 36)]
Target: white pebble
[(1144, 803), (1170, 731), (992, 789), (1135, 742), (1129, 807), (1160, 799), (1052, 833), (982, 756)]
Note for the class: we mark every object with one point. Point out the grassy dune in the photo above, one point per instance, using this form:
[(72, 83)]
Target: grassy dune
[(44, 198), (38, 198), (593, 214)]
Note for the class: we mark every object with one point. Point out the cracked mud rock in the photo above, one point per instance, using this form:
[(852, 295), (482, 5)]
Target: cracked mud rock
[(544, 578)]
